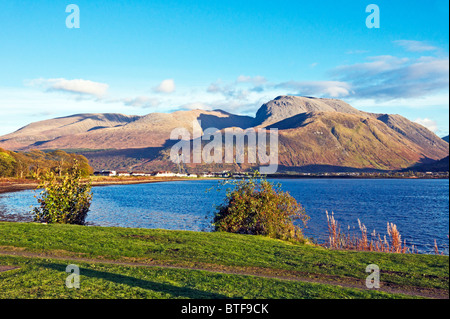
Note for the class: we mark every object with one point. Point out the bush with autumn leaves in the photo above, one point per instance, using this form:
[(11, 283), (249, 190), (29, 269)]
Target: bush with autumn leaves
[(63, 200), (257, 207)]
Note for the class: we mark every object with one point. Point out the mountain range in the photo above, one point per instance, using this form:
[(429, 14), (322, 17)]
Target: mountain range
[(313, 133)]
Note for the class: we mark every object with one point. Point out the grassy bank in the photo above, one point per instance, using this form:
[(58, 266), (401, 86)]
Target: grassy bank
[(44, 278), (217, 264)]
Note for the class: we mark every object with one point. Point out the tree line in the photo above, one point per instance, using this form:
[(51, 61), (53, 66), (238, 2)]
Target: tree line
[(36, 163)]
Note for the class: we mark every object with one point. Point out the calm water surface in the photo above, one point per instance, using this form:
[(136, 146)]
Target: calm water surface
[(419, 208)]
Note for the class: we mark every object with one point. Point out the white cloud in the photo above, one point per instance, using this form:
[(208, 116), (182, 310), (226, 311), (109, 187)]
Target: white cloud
[(429, 124), (377, 64), (195, 106), (140, 101), (232, 90), (22, 106), (357, 51), (76, 86), (214, 87), (415, 46), (389, 78), (428, 101), (255, 80), (241, 90), (332, 89), (166, 86)]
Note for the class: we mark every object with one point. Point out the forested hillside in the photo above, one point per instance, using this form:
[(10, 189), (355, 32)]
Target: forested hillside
[(35, 162)]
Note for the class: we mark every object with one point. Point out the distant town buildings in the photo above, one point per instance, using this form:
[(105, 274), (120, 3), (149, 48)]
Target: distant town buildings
[(164, 174), (228, 174), (141, 174), (158, 174)]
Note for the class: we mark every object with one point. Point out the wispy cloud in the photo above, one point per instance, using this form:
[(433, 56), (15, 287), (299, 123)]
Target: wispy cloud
[(428, 123), (389, 77), (78, 87), (375, 65), (90, 90), (195, 106), (255, 80), (232, 90), (357, 51), (140, 101), (333, 89), (415, 46), (239, 89)]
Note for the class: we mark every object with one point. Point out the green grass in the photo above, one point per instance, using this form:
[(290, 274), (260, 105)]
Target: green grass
[(45, 278), (214, 251)]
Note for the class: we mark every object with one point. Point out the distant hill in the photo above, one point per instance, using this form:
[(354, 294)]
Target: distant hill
[(312, 132), (350, 140), (441, 165), (100, 131), (446, 138), (37, 134)]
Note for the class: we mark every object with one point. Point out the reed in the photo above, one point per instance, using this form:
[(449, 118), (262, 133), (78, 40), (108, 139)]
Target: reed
[(392, 244), (436, 248)]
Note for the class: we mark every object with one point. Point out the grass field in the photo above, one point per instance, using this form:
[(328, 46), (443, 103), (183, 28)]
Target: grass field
[(146, 263)]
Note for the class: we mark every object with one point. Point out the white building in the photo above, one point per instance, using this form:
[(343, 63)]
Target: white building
[(105, 173), (165, 174), (140, 174), (123, 173)]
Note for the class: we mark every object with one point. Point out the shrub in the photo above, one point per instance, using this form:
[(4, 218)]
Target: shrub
[(64, 200), (255, 206)]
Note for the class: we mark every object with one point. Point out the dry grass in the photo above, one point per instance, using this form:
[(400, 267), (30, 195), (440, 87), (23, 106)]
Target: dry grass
[(392, 243), (436, 248)]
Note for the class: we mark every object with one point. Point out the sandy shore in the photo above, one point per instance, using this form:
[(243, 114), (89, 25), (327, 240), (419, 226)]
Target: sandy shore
[(8, 185)]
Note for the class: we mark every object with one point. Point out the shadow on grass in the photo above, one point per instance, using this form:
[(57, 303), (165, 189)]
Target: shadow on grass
[(175, 291)]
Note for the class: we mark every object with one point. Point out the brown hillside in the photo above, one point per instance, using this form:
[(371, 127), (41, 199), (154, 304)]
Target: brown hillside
[(313, 131)]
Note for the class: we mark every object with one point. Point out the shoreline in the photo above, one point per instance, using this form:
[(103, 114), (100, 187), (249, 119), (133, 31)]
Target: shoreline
[(9, 185), (353, 177)]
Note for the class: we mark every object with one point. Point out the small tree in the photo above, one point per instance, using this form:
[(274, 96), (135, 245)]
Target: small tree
[(255, 206), (64, 200), (7, 164)]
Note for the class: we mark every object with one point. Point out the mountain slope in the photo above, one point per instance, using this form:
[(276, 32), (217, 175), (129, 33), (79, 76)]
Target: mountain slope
[(38, 133), (340, 139), (100, 131), (335, 139), (441, 165), (431, 146), (284, 107), (312, 131)]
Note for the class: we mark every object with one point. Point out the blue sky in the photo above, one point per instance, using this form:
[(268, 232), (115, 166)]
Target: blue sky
[(138, 57)]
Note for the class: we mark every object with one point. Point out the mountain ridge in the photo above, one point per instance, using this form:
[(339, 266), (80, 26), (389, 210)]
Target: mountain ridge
[(285, 106), (312, 131)]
